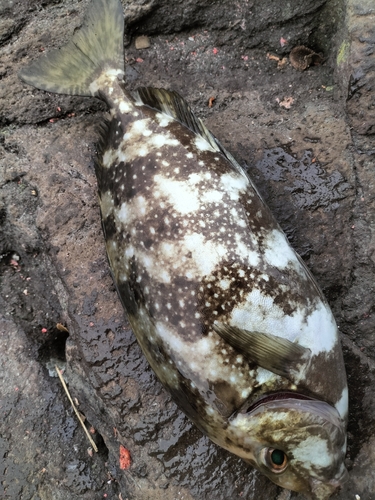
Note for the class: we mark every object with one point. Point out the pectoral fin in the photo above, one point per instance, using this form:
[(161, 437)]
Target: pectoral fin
[(276, 354)]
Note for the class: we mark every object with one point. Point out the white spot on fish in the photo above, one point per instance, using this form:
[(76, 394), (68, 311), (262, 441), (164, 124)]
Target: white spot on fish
[(129, 252), (105, 80), (245, 393), (180, 195), (224, 284), (278, 253), (243, 250), (164, 276), (206, 254), (263, 376), (312, 449), (125, 107), (212, 196), (128, 212), (124, 214), (109, 157), (202, 144), (342, 404), (142, 151), (163, 119), (106, 204), (234, 184)]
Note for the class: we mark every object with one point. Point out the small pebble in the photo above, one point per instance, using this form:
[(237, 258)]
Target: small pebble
[(142, 42)]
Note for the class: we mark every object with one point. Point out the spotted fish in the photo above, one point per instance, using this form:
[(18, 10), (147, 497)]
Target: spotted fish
[(227, 314)]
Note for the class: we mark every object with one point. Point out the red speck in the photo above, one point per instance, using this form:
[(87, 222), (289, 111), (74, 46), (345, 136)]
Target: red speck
[(52, 120), (16, 389), (245, 58), (91, 323), (125, 459), (13, 263), (58, 108), (215, 50), (211, 101), (105, 495), (41, 49), (92, 430), (44, 330), (139, 60), (283, 41)]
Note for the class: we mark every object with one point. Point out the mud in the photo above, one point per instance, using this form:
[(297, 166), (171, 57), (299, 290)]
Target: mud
[(314, 164)]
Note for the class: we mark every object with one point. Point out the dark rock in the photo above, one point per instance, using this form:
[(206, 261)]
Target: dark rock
[(313, 163)]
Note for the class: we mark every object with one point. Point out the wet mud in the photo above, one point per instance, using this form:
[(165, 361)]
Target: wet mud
[(307, 140)]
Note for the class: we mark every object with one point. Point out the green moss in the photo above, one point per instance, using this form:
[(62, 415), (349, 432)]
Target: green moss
[(343, 53)]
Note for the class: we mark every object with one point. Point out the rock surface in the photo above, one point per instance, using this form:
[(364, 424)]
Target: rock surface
[(307, 139)]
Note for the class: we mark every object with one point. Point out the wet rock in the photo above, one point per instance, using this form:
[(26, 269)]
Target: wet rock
[(314, 170), (356, 66)]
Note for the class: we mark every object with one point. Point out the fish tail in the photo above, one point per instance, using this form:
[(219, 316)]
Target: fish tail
[(95, 48)]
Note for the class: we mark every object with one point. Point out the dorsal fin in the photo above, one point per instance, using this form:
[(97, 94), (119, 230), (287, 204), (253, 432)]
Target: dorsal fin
[(172, 104)]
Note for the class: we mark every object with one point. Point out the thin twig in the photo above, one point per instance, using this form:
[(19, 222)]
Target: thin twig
[(75, 409)]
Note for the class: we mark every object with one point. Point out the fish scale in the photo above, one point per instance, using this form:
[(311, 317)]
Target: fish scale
[(227, 314)]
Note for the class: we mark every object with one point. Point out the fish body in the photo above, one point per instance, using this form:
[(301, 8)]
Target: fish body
[(227, 314)]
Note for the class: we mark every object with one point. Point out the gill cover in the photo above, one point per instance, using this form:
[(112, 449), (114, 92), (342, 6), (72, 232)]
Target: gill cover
[(299, 444)]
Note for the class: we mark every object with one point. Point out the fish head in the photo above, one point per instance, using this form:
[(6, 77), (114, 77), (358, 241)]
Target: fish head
[(300, 444)]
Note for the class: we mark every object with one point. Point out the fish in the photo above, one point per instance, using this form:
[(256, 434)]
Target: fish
[(227, 314)]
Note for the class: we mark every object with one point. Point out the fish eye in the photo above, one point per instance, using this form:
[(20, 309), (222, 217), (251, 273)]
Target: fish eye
[(275, 459)]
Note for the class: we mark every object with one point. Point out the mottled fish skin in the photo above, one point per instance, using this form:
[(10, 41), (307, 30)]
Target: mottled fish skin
[(217, 298), (191, 242)]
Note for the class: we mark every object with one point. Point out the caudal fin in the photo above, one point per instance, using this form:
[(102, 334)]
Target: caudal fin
[(95, 48)]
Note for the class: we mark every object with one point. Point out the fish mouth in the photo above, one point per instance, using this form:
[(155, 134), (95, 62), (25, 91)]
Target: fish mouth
[(323, 491)]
